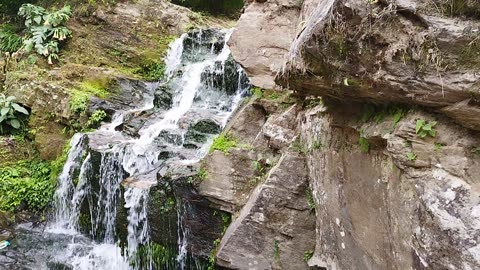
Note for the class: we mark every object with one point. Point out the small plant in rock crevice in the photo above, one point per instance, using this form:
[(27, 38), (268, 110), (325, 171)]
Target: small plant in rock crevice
[(96, 118), (424, 128), (411, 156), (310, 200), (276, 249), (307, 255)]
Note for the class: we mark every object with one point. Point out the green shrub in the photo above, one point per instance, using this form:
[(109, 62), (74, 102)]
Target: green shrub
[(10, 114), (45, 30), (27, 182), (153, 71)]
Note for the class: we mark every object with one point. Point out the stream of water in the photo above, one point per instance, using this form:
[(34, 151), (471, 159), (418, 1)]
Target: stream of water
[(110, 169)]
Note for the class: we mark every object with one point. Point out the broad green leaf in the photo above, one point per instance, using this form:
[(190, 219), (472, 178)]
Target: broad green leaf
[(4, 111), (433, 123), (419, 125), (427, 127), (19, 108), (38, 19), (15, 123), (432, 133), (423, 134)]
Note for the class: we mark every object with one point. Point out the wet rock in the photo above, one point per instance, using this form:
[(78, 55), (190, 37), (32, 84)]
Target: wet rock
[(206, 126), (167, 137), (55, 265), (200, 131), (276, 227), (202, 43), (163, 97), (225, 76)]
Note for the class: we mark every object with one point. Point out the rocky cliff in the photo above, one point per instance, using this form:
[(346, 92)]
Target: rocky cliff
[(384, 133)]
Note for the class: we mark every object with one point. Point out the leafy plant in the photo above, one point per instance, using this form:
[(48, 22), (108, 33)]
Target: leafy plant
[(256, 92), (411, 156), (45, 30), (9, 40), (96, 118), (298, 146), (79, 102), (9, 113), (307, 255), (424, 128), (153, 71), (438, 147)]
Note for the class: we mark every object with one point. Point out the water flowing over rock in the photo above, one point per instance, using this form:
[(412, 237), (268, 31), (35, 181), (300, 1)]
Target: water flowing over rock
[(114, 187)]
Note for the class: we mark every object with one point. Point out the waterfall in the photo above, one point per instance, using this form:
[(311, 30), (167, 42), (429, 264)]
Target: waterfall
[(109, 172)]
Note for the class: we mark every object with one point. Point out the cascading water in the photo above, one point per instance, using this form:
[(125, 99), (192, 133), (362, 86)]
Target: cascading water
[(109, 172)]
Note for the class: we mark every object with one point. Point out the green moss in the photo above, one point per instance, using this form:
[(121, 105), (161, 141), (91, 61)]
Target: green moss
[(223, 143), (364, 144), (98, 86)]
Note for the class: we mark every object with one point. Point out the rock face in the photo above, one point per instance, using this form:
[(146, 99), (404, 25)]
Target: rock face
[(386, 197), (384, 210), (262, 38), (275, 226)]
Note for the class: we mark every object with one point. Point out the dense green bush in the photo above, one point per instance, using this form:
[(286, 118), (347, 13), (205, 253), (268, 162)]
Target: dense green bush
[(26, 183)]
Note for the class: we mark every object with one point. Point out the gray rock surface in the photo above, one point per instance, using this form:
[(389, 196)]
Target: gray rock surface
[(262, 38), (275, 227), (382, 210)]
